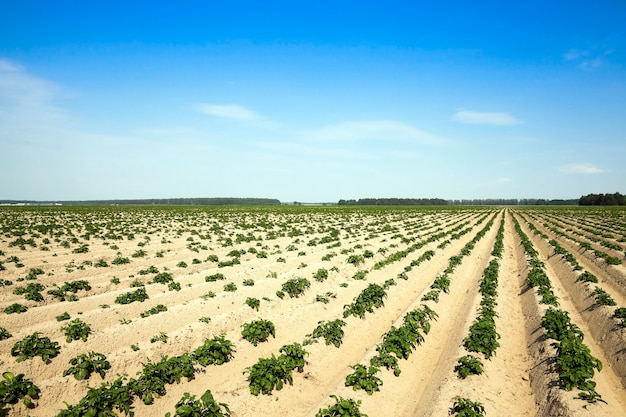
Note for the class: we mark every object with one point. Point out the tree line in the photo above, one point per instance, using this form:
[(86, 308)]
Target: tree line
[(615, 199), (212, 201), (394, 202)]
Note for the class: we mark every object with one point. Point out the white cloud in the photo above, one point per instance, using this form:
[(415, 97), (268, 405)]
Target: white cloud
[(27, 104), (385, 130), (485, 118), (582, 168), (7, 65), (587, 59), (228, 111), (504, 180)]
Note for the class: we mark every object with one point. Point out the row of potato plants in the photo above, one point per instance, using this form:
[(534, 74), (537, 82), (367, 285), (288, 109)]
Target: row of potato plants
[(584, 244), (151, 381), (272, 373), (604, 227), (574, 363), (137, 300), (482, 336), (398, 343), (602, 298)]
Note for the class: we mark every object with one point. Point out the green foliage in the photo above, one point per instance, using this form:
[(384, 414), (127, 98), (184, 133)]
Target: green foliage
[(15, 308), (154, 376), (321, 275), (215, 277), (587, 276), (35, 345), (370, 298), (360, 275), (230, 287), (76, 330), (401, 341), (574, 361), (84, 365), (216, 351), (293, 356), (102, 401), (468, 365), (63, 317), (206, 406), (4, 334), (441, 283), (364, 378), (331, 331), (31, 291), (84, 248), (17, 387), (268, 374), (342, 408), (620, 313), (296, 286), (161, 337), (159, 308), (150, 270), (482, 337), (139, 294), (603, 298), (248, 282), (163, 278), (324, 298), (120, 260), (464, 407), (258, 331), (576, 365), (558, 325), (61, 293), (355, 260), (253, 303)]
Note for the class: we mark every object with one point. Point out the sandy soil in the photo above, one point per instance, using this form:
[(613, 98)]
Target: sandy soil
[(518, 381)]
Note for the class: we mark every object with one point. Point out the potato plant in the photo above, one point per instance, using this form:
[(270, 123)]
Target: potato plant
[(84, 365), (14, 388), (35, 345), (206, 406), (258, 331), (76, 330)]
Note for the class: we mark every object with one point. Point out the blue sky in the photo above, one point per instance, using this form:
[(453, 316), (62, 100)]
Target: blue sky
[(312, 102)]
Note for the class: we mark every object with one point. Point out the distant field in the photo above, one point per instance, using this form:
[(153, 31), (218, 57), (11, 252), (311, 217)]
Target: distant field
[(303, 310)]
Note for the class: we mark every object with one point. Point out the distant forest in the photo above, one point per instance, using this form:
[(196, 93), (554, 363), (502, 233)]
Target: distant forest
[(442, 202), (394, 202), (220, 201), (615, 199)]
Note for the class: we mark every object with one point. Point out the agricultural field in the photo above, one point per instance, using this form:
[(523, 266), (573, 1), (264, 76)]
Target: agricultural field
[(312, 311)]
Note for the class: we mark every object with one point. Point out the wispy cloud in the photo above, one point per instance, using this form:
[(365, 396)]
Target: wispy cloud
[(7, 65), (582, 168), (504, 180), (28, 104), (485, 118), (228, 111), (587, 59), (380, 130)]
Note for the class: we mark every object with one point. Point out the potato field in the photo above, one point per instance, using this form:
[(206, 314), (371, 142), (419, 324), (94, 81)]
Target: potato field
[(312, 311)]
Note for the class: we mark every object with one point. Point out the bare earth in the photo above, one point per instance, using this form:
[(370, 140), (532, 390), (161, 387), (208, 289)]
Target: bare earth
[(518, 381)]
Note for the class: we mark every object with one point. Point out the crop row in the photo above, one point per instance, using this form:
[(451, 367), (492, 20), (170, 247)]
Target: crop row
[(574, 363)]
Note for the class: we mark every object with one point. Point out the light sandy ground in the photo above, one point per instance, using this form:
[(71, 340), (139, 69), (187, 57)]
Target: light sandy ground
[(518, 380)]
